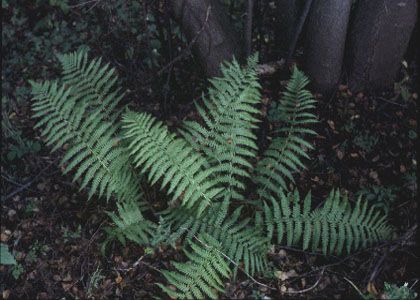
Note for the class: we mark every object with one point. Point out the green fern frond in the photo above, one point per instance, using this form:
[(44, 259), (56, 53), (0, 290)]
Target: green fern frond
[(171, 159), (202, 275), (130, 224), (79, 113), (284, 154), (229, 115), (94, 151), (95, 82), (208, 165), (332, 227), (240, 240)]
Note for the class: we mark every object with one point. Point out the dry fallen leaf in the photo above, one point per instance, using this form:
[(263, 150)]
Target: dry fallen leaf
[(373, 174), (41, 186), (372, 289), (6, 294), (285, 275), (282, 253), (67, 278), (4, 237), (11, 213), (283, 288), (118, 279), (331, 124), (342, 87), (66, 286), (340, 154), (280, 275)]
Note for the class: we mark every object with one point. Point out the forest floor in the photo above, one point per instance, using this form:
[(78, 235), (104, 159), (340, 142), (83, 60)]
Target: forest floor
[(366, 144)]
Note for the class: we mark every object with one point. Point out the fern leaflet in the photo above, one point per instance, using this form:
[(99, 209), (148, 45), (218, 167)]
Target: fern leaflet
[(284, 154), (129, 224), (201, 275), (94, 150), (240, 240), (332, 227), (166, 157), (228, 115)]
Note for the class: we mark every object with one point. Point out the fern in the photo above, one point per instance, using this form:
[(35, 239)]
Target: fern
[(204, 171), (228, 114), (94, 82), (242, 242), (129, 224), (202, 274), (163, 155), (94, 151), (284, 154), (332, 227)]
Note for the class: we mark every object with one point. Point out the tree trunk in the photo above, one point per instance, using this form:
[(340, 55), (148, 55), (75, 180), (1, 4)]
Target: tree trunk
[(207, 27), (324, 42), (287, 16), (248, 27), (378, 40)]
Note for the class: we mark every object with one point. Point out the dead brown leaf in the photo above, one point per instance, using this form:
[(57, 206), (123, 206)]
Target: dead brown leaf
[(340, 154), (6, 294), (119, 279)]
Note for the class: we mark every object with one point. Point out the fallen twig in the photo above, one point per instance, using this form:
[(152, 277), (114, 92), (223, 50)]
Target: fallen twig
[(29, 183), (355, 287), (236, 265), (391, 102), (398, 243), (309, 288)]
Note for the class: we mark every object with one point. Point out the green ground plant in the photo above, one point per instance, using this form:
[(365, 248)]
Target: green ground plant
[(381, 197), (94, 281), (7, 259), (366, 141), (17, 144), (393, 291), (226, 202)]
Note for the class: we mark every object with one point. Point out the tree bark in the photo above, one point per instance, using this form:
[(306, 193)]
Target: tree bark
[(207, 27), (298, 29), (287, 16), (379, 37), (324, 42), (248, 27)]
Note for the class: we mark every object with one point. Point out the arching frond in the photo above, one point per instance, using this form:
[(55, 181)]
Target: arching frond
[(287, 149), (229, 117), (208, 165), (94, 82), (70, 116), (129, 224), (240, 240), (163, 156), (202, 275), (330, 228)]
